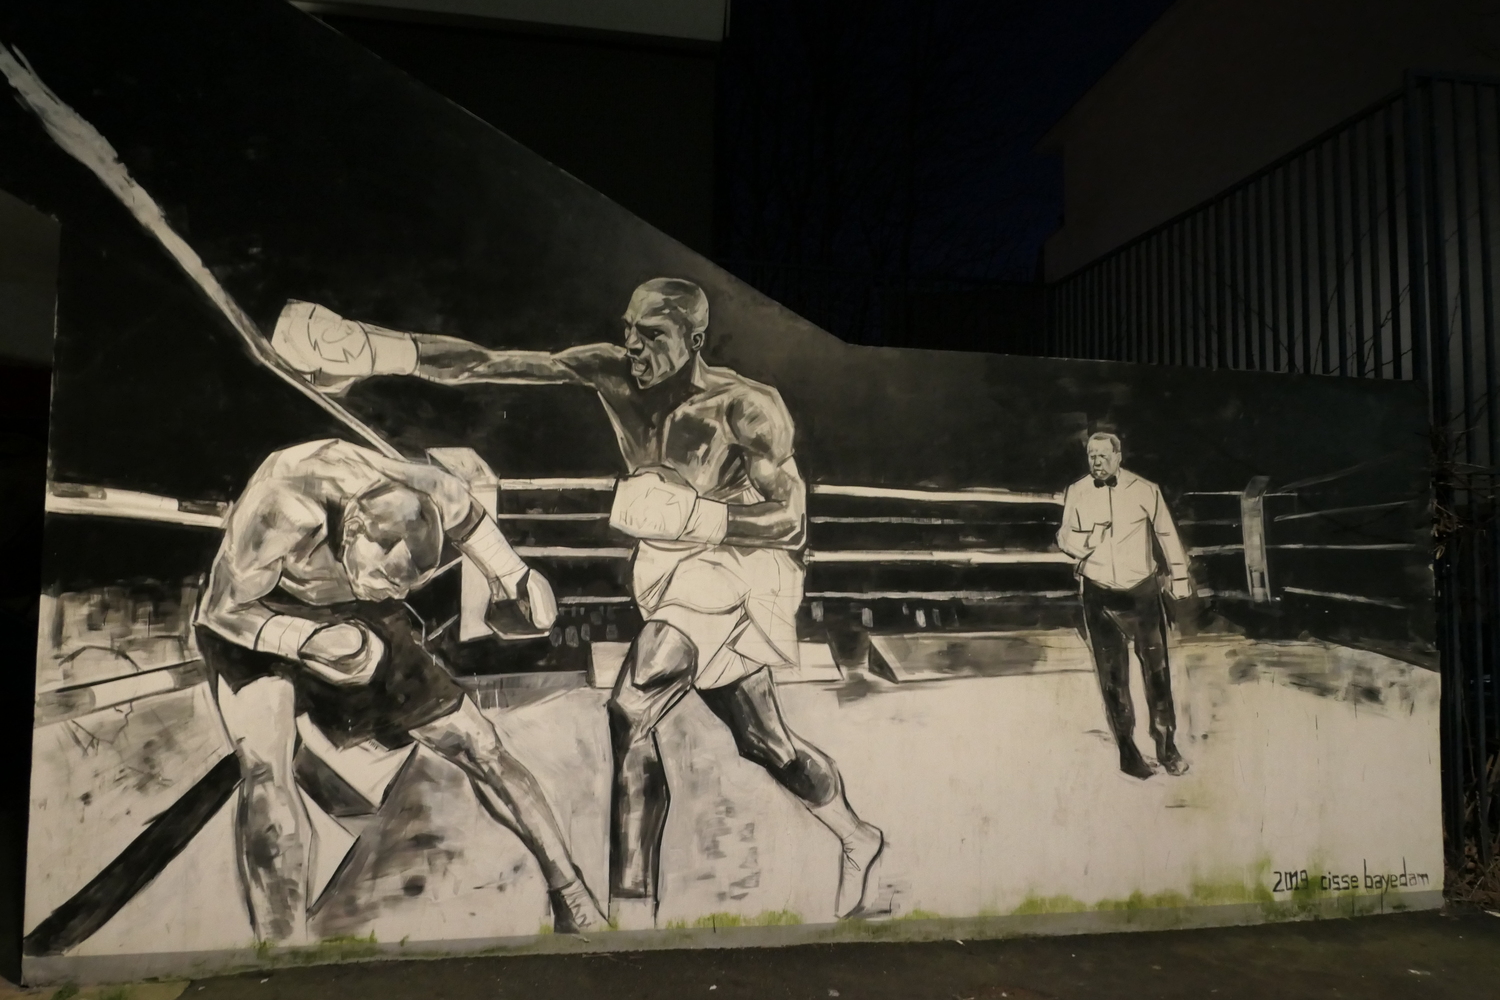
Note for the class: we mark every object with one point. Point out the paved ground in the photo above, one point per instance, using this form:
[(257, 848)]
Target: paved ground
[(1454, 954)]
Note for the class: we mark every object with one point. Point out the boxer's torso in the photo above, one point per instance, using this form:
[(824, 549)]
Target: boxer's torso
[(685, 426)]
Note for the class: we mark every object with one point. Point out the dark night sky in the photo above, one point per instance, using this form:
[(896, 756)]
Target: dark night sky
[(849, 145), (897, 136)]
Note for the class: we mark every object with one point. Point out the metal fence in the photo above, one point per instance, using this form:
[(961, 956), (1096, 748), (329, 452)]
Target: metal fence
[(1369, 252)]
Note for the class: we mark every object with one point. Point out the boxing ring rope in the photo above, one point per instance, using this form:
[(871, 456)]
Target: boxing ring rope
[(76, 499)]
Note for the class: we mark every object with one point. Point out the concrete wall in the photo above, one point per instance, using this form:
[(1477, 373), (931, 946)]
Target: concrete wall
[(202, 797), (1219, 88)]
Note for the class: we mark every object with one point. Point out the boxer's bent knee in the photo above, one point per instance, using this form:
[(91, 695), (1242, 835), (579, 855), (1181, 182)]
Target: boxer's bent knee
[(660, 653), (657, 672), (463, 736), (809, 776)]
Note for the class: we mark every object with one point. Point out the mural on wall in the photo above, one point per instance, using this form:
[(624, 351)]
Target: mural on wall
[(437, 554)]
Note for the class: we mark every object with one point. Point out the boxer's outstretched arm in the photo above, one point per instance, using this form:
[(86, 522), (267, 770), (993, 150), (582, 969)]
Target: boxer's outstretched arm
[(763, 430), (451, 361)]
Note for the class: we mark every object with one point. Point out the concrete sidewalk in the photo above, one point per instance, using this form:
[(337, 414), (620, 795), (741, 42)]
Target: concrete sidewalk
[(1455, 953)]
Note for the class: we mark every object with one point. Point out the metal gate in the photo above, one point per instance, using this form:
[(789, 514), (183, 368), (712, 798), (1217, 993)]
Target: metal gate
[(1369, 252)]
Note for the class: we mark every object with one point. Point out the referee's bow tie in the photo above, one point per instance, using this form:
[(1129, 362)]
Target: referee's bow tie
[(1111, 481)]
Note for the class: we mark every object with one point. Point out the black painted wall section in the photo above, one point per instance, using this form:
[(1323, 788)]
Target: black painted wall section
[(633, 118)]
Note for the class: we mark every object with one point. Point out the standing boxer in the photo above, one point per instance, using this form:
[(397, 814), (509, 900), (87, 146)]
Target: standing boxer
[(303, 613), (1115, 523), (718, 506)]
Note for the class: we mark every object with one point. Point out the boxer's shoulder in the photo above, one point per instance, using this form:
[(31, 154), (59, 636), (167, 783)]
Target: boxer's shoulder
[(592, 362), (749, 407), (275, 514)]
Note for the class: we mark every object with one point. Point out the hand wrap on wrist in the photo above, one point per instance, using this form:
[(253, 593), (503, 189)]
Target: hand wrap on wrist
[(284, 635), (494, 556)]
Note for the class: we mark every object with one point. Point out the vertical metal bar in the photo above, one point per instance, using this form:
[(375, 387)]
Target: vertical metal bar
[(1207, 339), (1440, 381), (1336, 184), (1175, 352), (1158, 284), (1110, 299), (1138, 323), (1437, 263), (1305, 260), (1220, 278), (1393, 237), (1230, 282), (1091, 331), (1490, 166), (1372, 210), (1213, 345), (1357, 266), (1276, 199), (1324, 335), (1465, 311), (1417, 265), (1264, 275), (1479, 747), (1121, 297), (1191, 340), (1247, 273)]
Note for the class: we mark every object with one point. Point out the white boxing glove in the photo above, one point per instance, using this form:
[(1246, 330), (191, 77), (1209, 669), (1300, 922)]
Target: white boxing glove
[(333, 352), (649, 506), (529, 614), (347, 654)]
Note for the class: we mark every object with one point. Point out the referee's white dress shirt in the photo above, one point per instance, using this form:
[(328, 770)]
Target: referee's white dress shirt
[(1109, 528)]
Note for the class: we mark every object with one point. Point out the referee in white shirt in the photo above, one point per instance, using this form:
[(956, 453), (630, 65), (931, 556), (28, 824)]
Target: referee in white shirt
[(1118, 527)]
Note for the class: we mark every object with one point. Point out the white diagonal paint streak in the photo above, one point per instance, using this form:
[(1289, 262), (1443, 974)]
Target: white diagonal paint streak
[(83, 142)]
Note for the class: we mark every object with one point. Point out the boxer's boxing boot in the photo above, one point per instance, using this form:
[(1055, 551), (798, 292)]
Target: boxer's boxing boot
[(574, 909)]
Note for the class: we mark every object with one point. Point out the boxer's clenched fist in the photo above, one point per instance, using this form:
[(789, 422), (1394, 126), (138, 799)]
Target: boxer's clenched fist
[(535, 600), (332, 352), (649, 506), (529, 614)]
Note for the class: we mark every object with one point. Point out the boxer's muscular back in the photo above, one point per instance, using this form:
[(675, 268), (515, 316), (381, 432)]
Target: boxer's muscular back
[(283, 515), (705, 431)]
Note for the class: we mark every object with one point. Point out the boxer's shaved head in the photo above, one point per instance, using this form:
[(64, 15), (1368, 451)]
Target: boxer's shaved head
[(392, 540), (665, 325)]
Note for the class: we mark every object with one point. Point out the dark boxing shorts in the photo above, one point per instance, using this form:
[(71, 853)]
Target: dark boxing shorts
[(409, 689)]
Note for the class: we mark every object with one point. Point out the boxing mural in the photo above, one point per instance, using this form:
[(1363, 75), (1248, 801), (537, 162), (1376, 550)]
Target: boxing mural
[(439, 558)]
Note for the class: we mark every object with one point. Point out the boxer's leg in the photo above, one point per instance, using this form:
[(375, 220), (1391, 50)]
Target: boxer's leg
[(271, 823), (751, 710), (510, 794), (1112, 663), (656, 673)]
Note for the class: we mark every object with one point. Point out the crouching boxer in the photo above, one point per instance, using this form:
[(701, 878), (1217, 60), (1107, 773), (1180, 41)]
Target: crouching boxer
[(718, 506), (304, 612)]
